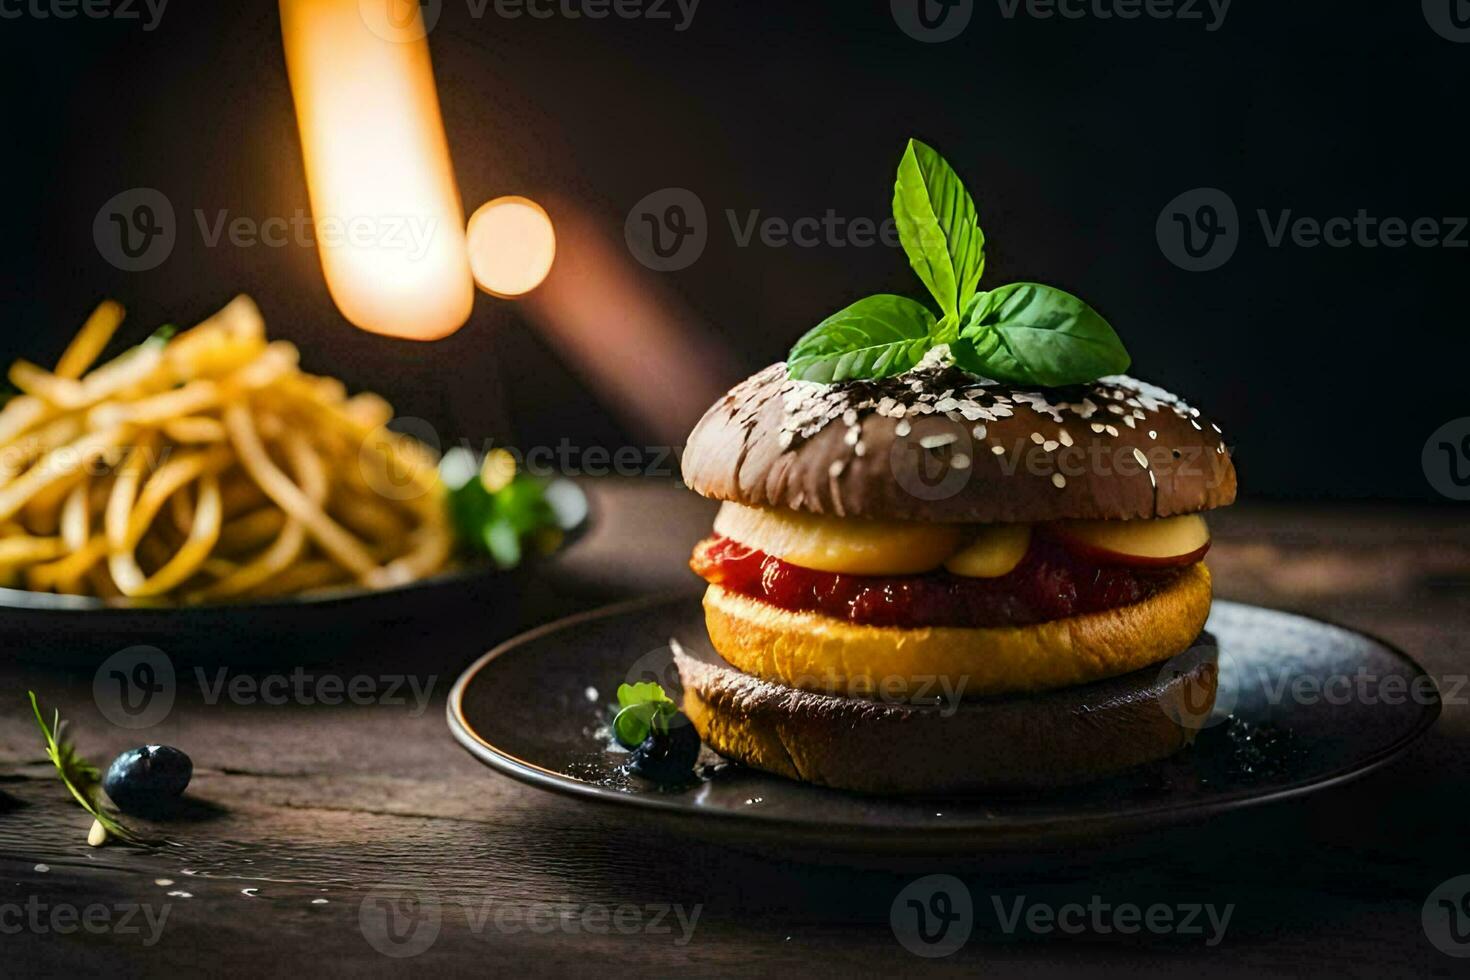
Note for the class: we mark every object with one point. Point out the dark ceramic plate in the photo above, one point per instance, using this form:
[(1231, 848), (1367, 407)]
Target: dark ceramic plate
[(1301, 705), (50, 628)]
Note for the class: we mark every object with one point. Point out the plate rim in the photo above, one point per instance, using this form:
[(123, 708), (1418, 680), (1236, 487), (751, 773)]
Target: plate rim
[(1058, 825)]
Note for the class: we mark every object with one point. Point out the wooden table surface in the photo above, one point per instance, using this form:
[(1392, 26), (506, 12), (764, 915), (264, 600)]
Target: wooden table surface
[(320, 826)]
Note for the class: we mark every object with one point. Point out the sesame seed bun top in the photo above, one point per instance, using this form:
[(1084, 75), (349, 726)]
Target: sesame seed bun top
[(937, 444)]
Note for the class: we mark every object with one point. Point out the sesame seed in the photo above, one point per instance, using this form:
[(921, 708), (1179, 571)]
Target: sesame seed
[(1152, 434), (1195, 424), (998, 450), (1098, 427), (960, 461), (979, 431), (1065, 437), (849, 417), (1216, 428), (902, 428), (1129, 421), (851, 437), (938, 441), (1115, 409), (1112, 430), (1037, 438), (1220, 449), (1151, 481), (836, 467), (1058, 481), (1142, 459), (1050, 445), (861, 449)]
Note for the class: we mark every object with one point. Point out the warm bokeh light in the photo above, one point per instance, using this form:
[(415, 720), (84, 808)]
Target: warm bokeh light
[(389, 225), (512, 245)]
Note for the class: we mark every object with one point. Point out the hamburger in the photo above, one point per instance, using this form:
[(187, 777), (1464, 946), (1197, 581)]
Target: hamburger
[(972, 564)]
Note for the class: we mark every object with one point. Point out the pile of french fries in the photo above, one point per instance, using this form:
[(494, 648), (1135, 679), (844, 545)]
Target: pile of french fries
[(207, 468)]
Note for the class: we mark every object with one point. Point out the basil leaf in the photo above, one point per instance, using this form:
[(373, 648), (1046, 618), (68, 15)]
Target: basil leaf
[(872, 338), (938, 227), (1027, 333)]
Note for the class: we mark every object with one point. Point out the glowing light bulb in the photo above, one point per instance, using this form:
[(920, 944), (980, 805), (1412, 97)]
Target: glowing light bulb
[(389, 225), (512, 245)]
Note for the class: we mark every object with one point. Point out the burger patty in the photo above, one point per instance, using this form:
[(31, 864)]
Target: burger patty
[(1050, 583)]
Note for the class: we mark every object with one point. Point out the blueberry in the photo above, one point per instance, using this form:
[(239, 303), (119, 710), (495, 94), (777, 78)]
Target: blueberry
[(148, 779), (668, 756)]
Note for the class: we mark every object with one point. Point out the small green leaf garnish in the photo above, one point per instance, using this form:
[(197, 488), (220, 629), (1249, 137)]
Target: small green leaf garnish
[(938, 227), (1027, 333), (497, 511), (872, 338), (1024, 333), (642, 708), (80, 777)]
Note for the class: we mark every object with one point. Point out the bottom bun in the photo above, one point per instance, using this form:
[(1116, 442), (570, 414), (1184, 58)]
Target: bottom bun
[(1051, 739)]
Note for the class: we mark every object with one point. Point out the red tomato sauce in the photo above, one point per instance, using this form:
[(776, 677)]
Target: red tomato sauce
[(1049, 583)]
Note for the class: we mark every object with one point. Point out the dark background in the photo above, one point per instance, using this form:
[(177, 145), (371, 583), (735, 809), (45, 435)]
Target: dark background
[(1329, 367)]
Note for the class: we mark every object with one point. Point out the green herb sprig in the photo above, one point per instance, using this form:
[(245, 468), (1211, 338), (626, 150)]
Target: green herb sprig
[(496, 511), (80, 777), (1023, 333), (642, 708)]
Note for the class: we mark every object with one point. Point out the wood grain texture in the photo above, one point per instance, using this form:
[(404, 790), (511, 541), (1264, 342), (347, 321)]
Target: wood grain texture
[(311, 802)]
